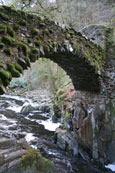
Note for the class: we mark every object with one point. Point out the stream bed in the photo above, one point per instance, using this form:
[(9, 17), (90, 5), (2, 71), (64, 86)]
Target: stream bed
[(21, 117)]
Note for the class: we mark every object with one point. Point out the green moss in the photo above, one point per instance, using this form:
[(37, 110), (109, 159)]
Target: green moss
[(12, 69), (10, 31), (16, 26), (46, 48), (24, 48), (67, 115), (2, 45), (7, 40), (54, 44), (33, 160), (8, 52), (22, 23), (32, 57), (18, 67), (36, 51), (4, 16), (75, 46), (68, 36), (35, 32), (27, 60), (5, 74), (38, 43), (46, 31), (3, 29)]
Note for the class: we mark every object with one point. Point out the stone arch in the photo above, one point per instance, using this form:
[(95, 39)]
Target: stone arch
[(24, 38)]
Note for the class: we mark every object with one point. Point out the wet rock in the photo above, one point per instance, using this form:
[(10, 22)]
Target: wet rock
[(28, 108), (17, 156)]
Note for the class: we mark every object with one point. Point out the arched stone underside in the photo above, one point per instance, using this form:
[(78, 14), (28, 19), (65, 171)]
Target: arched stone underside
[(24, 38)]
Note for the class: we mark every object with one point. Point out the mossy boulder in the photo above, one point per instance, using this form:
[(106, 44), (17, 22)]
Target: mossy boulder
[(33, 57), (16, 26), (33, 162)]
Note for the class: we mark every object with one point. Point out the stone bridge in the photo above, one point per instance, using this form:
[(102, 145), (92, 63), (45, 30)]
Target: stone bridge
[(24, 38)]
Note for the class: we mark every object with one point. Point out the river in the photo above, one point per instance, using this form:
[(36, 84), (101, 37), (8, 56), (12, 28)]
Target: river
[(21, 117)]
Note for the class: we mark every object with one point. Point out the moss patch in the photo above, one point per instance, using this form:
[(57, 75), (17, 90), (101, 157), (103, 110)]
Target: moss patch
[(34, 161), (24, 48), (8, 52), (7, 40), (12, 69), (35, 32), (3, 29), (4, 16), (10, 31)]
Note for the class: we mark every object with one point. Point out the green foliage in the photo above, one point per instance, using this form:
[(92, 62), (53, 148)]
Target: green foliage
[(8, 52), (24, 48), (10, 31), (4, 16), (3, 29), (7, 40), (35, 32)]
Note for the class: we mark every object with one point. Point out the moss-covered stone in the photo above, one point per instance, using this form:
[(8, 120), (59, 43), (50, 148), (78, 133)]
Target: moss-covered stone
[(33, 57), (24, 48), (35, 51), (3, 29), (22, 23), (10, 31), (5, 74), (38, 43), (7, 40), (16, 26), (18, 67), (46, 49), (8, 52), (68, 36), (2, 45), (34, 161), (4, 16), (12, 69), (27, 60), (35, 32)]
